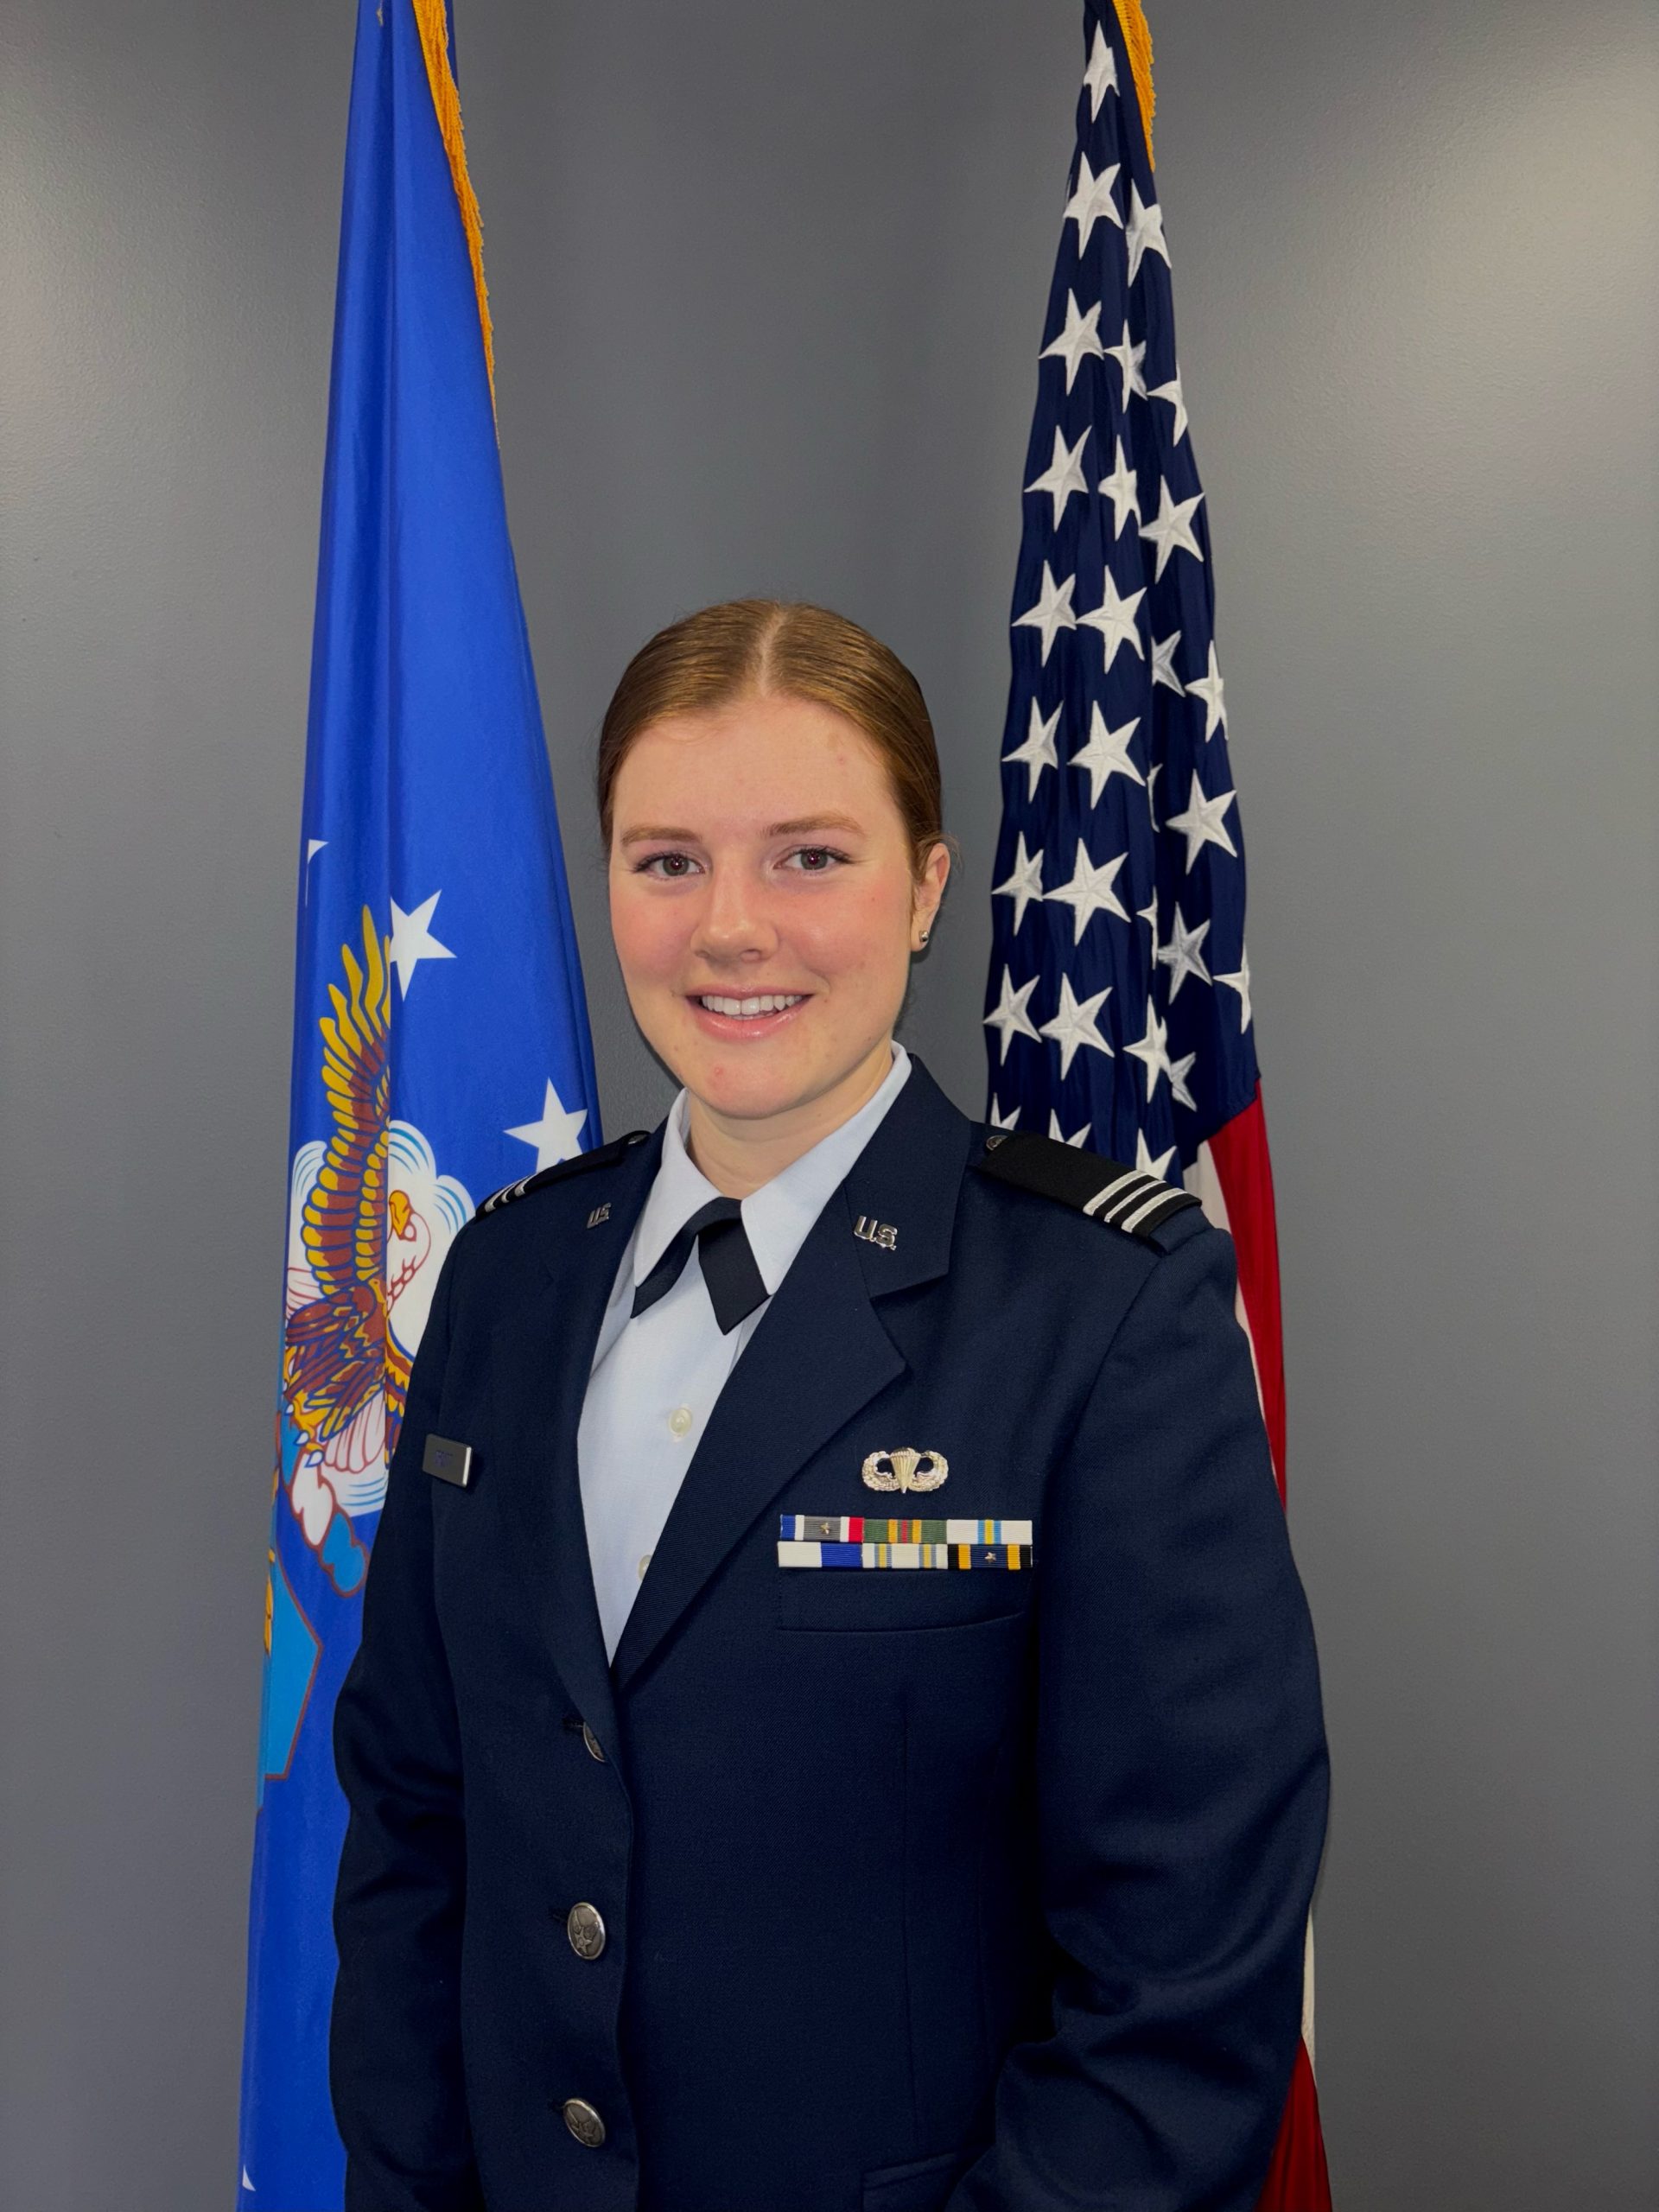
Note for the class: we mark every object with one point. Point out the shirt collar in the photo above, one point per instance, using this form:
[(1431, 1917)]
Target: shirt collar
[(778, 1216)]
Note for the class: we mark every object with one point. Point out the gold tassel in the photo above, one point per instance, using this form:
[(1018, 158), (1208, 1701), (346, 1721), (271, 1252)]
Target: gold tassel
[(1137, 36), (432, 17)]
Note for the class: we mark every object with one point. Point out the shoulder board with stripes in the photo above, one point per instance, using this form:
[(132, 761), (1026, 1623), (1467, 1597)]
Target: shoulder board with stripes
[(1123, 1198), (602, 1155)]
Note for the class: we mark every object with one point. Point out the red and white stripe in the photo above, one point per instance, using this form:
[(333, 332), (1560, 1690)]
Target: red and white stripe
[(1232, 1178)]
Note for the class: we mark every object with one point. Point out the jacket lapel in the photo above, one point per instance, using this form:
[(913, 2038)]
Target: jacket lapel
[(545, 1345), (820, 1353)]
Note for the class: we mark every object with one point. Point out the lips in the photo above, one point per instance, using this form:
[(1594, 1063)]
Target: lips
[(747, 1009), (746, 1018)]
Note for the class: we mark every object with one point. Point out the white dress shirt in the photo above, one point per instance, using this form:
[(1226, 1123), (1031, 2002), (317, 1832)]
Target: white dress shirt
[(655, 1376)]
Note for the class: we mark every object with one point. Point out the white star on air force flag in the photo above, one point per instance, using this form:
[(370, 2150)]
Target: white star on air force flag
[(412, 941), (556, 1136)]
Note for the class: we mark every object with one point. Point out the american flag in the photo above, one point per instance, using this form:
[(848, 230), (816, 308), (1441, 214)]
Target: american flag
[(1118, 1014)]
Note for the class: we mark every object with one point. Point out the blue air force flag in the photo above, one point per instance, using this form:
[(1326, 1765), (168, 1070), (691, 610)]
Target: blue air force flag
[(441, 1042)]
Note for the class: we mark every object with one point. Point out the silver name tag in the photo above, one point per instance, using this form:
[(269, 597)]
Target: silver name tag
[(448, 1461)]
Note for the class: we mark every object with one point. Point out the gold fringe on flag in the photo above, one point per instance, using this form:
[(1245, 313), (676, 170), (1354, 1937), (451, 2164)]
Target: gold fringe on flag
[(1137, 36), (433, 19)]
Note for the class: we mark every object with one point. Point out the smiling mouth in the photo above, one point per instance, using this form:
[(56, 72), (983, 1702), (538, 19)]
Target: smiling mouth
[(749, 1009)]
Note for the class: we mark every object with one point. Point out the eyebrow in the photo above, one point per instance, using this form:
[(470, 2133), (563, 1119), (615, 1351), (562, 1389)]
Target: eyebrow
[(795, 829)]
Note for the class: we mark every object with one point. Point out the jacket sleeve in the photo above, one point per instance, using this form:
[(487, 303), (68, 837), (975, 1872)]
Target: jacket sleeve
[(394, 2038), (1181, 1781)]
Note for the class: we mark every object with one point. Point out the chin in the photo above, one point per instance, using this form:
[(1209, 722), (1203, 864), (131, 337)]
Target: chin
[(749, 1094)]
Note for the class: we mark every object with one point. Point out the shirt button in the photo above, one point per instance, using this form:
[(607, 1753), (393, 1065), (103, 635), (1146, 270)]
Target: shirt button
[(680, 1420), (644, 1563), (596, 1749), (586, 1928), (584, 2123)]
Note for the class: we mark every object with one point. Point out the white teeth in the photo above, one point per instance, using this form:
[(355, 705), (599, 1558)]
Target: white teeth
[(745, 1009)]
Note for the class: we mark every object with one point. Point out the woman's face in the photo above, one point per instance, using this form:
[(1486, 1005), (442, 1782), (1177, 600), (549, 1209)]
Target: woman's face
[(762, 902)]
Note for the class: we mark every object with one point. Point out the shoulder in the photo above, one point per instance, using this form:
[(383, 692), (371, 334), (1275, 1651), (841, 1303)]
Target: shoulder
[(1066, 1182), (583, 1163)]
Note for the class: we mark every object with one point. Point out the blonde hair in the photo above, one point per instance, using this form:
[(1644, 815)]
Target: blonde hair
[(755, 647)]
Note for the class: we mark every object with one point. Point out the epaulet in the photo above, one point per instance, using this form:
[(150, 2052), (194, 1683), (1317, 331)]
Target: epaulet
[(602, 1155), (1123, 1197)]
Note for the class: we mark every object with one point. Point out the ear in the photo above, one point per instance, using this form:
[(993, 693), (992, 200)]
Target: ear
[(930, 890)]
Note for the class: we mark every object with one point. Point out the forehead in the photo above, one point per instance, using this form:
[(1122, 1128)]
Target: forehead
[(751, 757)]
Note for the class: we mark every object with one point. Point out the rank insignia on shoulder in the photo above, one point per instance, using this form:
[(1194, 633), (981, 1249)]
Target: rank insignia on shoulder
[(1123, 1197), (602, 1155)]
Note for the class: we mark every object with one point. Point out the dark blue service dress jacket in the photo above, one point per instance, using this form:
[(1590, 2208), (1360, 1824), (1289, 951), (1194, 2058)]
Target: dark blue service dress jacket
[(979, 1887)]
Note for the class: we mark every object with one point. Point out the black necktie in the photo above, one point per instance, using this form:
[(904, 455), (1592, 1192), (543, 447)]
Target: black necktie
[(735, 1285)]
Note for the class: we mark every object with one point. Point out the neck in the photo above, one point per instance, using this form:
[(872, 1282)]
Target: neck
[(739, 1155)]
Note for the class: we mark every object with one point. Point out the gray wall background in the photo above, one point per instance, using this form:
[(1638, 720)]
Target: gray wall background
[(768, 283)]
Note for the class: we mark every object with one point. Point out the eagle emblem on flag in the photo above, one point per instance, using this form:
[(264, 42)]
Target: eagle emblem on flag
[(370, 1220)]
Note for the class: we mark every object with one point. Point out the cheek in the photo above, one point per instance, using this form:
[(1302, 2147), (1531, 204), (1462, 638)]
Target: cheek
[(864, 932), (650, 934)]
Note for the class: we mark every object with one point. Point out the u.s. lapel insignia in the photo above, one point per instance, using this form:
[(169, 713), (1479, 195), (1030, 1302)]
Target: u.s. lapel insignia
[(905, 1470), (876, 1232)]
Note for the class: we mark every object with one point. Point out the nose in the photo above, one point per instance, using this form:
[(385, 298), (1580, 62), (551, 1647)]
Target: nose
[(734, 924)]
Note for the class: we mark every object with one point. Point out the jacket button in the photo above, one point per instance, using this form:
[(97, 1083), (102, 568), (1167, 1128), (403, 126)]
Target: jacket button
[(595, 1751), (584, 2123), (586, 1929)]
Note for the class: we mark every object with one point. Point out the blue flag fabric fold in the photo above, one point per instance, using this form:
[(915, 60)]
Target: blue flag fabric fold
[(441, 1042)]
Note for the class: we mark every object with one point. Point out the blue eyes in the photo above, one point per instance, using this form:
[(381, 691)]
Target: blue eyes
[(676, 867)]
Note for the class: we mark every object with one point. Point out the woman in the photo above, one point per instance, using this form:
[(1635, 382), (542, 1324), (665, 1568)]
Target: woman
[(687, 1869)]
